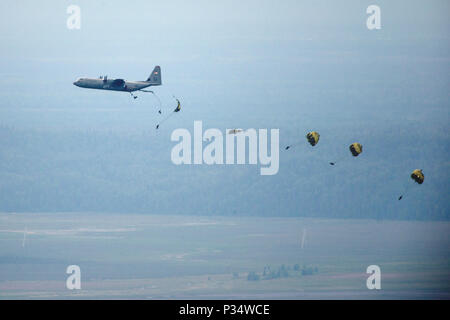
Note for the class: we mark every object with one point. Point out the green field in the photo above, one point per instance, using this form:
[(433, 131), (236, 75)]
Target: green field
[(136, 256)]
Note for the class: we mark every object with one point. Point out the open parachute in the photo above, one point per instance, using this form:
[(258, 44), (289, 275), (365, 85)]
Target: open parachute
[(418, 176), (355, 148), (312, 137), (177, 109)]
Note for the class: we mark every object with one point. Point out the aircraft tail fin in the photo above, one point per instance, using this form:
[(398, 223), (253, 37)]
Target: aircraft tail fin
[(155, 76)]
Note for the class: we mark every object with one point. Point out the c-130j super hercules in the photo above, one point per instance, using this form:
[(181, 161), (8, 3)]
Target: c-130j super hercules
[(103, 83)]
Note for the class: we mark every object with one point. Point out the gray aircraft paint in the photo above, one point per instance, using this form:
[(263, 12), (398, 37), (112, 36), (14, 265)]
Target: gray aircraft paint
[(104, 83)]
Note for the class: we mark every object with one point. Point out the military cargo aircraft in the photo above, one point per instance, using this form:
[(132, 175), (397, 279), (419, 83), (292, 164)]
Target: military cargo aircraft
[(103, 83)]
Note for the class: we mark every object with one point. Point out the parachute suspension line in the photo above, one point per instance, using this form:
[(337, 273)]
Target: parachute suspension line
[(163, 120), (418, 176), (159, 101), (355, 148), (405, 189), (177, 109), (312, 137), (157, 98), (293, 145)]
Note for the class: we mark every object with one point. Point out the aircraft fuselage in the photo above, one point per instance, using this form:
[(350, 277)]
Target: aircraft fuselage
[(103, 83), (112, 84)]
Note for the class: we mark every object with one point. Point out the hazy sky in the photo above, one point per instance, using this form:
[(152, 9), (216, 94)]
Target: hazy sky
[(292, 65), (221, 55)]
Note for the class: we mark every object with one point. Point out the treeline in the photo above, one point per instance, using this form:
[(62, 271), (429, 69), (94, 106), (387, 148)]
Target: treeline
[(282, 271), (100, 171)]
